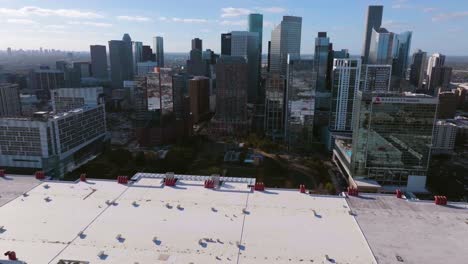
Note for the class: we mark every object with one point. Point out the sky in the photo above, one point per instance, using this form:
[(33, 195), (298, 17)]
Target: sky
[(437, 25)]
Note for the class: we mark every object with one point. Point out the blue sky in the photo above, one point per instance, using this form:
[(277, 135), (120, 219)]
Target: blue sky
[(437, 25)]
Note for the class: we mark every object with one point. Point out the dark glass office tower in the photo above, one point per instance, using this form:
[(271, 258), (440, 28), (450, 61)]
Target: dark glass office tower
[(99, 61), (197, 44), (373, 21), (121, 61), (226, 44), (256, 25)]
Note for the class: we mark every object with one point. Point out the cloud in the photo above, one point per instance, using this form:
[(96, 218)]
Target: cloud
[(20, 21), (134, 18), (189, 20), (234, 12), (44, 12), (449, 16), (273, 9), (234, 22), (87, 23), (55, 26), (429, 9), (163, 18)]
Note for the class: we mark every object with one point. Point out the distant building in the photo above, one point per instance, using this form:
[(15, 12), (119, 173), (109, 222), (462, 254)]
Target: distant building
[(376, 78), (66, 99), (447, 105), (445, 134), (299, 121), (196, 64), (137, 54), (373, 21), (285, 40), (42, 81), (197, 44), (439, 79), (226, 44), (180, 94), (322, 56), (199, 93), (99, 61), (401, 47), (436, 60), (121, 61), (10, 104), (145, 67), (147, 54), (158, 49), (462, 97), (245, 44), (418, 71), (231, 96), (83, 68), (275, 92), (54, 143), (381, 47)]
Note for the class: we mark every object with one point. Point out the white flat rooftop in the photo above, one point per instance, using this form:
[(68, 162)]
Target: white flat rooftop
[(13, 186), (412, 231), (145, 222)]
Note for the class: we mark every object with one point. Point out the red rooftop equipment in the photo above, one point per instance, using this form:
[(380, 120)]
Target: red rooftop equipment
[(170, 181), (440, 200), (122, 179), (302, 188), (259, 186), (40, 175), (353, 191), (83, 177), (11, 255), (2, 173), (399, 194)]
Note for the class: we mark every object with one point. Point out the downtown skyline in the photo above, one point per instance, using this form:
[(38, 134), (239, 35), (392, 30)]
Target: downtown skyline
[(437, 26)]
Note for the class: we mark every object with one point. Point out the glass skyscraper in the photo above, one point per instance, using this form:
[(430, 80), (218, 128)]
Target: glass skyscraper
[(300, 103), (285, 40), (121, 61), (245, 44), (381, 47), (158, 48), (373, 21), (256, 25), (275, 89), (402, 46)]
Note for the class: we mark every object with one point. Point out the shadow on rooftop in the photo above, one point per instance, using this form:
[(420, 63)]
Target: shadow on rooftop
[(6, 178), (231, 191)]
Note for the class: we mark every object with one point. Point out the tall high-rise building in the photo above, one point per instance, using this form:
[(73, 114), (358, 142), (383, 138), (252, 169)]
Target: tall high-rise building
[(300, 102), (44, 80), (285, 40), (199, 93), (179, 94), (392, 138), (245, 44), (226, 44), (439, 79), (137, 51), (121, 61), (231, 96), (381, 47), (197, 44), (418, 72), (401, 47), (275, 91), (10, 104), (256, 25), (447, 105), (147, 53), (269, 56), (196, 64), (158, 48), (376, 78), (346, 78), (436, 59), (321, 60), (99, 61), (322, 71), (373, 21)]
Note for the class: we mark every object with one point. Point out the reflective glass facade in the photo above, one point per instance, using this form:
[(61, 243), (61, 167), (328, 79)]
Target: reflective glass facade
[(392, 136)]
